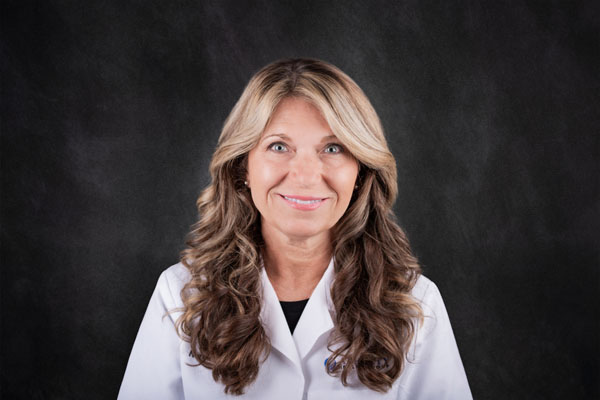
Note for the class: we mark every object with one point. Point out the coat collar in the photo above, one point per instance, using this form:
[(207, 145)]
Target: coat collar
[(316, 319)]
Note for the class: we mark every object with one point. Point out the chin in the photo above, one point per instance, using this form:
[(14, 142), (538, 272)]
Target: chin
[(303, 229)]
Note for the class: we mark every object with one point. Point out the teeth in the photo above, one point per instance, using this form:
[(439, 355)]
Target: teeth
[(302, 201)]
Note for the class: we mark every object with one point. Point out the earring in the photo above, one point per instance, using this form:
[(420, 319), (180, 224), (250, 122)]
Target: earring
[(246, 183), (355, 186)]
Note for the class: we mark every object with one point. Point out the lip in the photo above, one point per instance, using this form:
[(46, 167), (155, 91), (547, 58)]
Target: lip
[(305, 203)]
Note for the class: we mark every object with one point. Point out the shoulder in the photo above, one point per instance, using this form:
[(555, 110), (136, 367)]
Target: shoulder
[(430, 299), (171, 282), (435, 327), (425, 289), (176, 275)]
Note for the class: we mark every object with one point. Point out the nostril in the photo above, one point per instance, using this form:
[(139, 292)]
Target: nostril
[(307, 170)]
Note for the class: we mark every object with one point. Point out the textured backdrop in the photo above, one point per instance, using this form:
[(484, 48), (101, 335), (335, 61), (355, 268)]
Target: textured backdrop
[(111, 110)]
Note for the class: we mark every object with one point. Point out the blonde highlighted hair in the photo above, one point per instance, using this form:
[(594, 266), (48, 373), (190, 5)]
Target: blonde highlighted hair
[(374, 268)]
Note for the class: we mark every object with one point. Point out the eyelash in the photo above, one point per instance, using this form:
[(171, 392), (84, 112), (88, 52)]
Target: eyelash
[(339, 147), (276, 144)]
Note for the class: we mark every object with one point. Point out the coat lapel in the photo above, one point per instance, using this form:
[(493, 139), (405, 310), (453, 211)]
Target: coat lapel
[(315, 321), (316, 318), (275, 323)]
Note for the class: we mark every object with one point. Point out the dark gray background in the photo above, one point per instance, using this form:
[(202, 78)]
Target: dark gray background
[(111, 110)]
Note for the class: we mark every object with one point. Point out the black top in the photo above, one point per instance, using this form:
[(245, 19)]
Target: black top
[(292, 311)]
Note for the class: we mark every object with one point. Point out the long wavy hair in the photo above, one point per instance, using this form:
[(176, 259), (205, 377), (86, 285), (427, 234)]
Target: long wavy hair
[(375, 315)]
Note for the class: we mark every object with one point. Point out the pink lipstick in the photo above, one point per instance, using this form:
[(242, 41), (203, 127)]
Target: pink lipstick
[(303, 202)]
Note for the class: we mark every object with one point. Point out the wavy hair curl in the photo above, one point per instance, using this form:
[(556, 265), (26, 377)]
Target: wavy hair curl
[(375, 315)]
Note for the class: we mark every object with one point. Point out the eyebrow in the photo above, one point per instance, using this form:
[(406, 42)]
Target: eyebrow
[(328, 138), (286, 137), (281, 135)]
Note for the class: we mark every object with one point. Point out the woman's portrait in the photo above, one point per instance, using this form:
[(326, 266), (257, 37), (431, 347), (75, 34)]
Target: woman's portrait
[(299, 200), (297, 270)]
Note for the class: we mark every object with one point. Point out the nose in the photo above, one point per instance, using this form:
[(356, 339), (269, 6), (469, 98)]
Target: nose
[(306, 169)]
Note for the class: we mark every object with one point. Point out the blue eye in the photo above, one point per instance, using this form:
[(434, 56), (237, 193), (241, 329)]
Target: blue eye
[(278, 147), (333, 148)]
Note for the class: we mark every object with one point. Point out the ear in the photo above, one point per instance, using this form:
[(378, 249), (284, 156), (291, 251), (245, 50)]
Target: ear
[(245, 171)]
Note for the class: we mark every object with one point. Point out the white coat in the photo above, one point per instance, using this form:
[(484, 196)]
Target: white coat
[(158, 366)]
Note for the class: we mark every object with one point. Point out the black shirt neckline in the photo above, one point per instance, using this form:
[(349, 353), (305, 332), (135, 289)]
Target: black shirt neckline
[(292, 311)]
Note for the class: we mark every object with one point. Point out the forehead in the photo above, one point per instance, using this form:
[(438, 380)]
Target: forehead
[(297, 112)]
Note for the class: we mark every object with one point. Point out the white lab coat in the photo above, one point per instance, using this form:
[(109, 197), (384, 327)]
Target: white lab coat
[(158, 366)]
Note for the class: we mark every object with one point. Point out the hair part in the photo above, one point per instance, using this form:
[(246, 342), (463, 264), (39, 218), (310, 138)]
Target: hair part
[(374, 267)]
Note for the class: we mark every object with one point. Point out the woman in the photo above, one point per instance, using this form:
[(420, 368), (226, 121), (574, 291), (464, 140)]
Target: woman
[(297, 283)]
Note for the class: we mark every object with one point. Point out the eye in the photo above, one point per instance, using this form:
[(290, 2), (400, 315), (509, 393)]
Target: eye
[(278, 147), (333, 148)]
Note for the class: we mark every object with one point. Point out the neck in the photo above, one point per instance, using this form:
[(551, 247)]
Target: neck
[(295, 265)]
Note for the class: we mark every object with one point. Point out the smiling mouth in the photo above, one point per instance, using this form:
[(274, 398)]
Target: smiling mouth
[(301, 201)]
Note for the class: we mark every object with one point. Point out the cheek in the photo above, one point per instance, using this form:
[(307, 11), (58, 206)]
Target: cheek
[(263, 176), (346, 180)]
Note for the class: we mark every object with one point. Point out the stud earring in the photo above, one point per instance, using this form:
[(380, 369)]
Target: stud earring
[(246, 183)]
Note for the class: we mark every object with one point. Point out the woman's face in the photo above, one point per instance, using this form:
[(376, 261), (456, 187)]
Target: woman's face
[(300, 176)]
